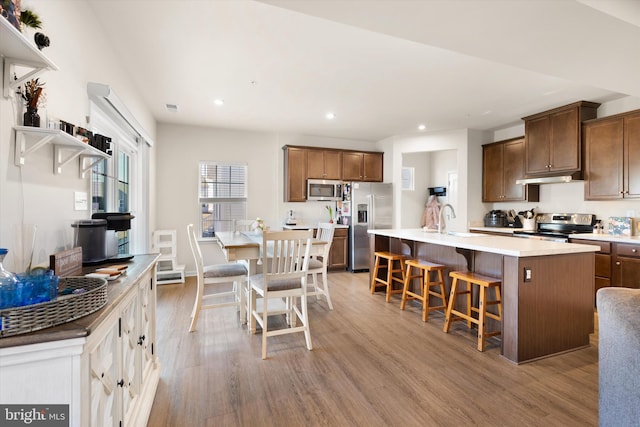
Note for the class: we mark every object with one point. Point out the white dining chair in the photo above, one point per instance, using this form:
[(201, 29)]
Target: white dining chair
[(285, 261), (318, 264), (215, 275)]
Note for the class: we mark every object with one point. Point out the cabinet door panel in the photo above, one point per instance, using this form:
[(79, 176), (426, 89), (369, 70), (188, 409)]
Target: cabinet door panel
[(339, 249), (537, 145), (603, 265), (333, 164), (296, 175), (130, 357), (352, 166), (315, 164), (103, 371), (564, 141), (147, 316), (492, 169), (632, 156), (513, 166), (628, 272), (603, 159), (372, 165)]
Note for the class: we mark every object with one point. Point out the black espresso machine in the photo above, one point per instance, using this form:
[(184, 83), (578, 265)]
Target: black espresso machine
[(98, 237)]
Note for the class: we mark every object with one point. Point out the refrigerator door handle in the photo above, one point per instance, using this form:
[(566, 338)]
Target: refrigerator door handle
[(372, 213)]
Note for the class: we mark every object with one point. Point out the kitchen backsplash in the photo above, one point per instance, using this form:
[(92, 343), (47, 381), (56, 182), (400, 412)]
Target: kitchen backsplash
[(569, 197)]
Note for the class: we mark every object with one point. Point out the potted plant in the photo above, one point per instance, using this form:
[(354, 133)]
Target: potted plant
[(30, 19), (32, 95)]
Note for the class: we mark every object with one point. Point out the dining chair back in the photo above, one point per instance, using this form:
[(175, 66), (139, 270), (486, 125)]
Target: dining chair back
[(217, 275), (285, 263), (319, 263)]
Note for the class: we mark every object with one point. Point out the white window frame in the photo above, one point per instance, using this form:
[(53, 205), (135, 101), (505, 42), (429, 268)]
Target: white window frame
[(236, 202), (123, 140)]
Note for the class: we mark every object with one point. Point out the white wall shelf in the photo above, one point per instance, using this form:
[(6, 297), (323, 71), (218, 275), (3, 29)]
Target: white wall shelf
[(17, 50), (66, 148)]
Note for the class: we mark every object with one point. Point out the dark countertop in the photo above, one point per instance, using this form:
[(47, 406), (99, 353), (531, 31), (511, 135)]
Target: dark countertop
[(83, 327)]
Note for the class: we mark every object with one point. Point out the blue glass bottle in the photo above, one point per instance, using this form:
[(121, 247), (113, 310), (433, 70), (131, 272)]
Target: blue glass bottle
[(8, 284)]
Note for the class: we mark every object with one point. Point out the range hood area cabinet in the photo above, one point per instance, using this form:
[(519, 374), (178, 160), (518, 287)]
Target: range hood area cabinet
[(502, 165), (553, 140), (324, 164), (612, 157)]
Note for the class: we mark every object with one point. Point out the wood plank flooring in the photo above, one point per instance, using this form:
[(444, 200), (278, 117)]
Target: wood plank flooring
[(371, 365)]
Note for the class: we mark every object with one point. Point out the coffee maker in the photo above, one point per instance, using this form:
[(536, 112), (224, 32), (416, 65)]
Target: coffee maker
[(291, 218), (116, 221), (98, 237)]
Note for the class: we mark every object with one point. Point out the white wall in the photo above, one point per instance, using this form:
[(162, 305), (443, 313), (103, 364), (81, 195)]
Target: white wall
[(33, 194), (180, 148), (413, 201), (457, 140), (431, 170)]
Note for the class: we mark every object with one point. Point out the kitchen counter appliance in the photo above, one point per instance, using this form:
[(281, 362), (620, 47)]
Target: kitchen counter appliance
[(372, 208), (324, 190), (559, 227), (495, 218)]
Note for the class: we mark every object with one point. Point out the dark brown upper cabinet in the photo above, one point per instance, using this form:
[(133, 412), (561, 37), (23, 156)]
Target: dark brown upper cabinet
[(553, 140), (362, 166), (324, 164), (612, 157), (502, 165)]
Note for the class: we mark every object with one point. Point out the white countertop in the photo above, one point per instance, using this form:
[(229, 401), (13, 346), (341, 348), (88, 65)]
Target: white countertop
[(489, 243), (586, 236), (505, 230), (607, 238), (308, 226)]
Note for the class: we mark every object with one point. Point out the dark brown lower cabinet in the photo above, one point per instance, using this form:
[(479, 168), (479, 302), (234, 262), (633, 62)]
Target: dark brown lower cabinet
[(626, 265), (602, 263), (338, 256)]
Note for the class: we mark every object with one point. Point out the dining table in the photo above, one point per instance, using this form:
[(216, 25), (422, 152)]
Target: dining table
[(246, 246)]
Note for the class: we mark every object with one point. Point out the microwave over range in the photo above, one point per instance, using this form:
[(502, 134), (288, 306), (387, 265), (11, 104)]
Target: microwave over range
[(324, 189)]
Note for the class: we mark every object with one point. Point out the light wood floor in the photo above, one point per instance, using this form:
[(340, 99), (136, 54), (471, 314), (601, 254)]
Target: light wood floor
[(371, 365)]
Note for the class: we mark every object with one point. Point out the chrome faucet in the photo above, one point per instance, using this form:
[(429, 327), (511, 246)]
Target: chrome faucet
[(453, 215)]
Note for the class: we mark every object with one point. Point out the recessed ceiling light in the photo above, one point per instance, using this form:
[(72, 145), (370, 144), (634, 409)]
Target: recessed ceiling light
[(218, 102), (173, 108), (422, 127), (330, 115)]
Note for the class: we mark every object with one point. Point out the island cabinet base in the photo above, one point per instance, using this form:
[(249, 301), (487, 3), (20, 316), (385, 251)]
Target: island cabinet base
[(550, 314)]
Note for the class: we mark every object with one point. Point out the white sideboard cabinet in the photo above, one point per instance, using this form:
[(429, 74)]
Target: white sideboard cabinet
[(105, 365)]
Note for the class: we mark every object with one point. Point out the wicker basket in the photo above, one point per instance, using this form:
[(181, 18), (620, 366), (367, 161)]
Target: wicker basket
[(29, 318)]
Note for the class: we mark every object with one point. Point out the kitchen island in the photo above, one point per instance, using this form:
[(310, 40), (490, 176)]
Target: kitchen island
[(547, 287)]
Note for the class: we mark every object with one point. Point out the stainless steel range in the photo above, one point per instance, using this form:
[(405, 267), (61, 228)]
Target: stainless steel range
[(559, 226)]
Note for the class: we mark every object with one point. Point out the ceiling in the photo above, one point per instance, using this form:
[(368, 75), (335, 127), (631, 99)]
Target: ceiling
[(383, 67)]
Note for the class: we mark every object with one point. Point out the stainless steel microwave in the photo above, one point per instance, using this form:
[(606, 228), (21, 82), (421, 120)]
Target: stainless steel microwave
[(324, 190)]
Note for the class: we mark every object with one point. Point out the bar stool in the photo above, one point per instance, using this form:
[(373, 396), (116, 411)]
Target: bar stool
[(484, 283), (391, 260), (425, 268)]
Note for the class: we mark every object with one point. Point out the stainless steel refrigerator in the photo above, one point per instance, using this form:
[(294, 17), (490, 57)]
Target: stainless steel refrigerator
[(371, 208)]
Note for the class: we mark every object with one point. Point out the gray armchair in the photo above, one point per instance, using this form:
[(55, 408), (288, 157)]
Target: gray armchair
[(619, 356)]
